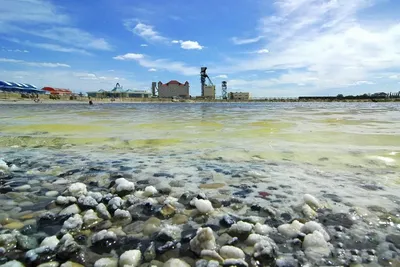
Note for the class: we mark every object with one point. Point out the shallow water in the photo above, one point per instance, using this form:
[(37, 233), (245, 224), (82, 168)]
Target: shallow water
[(345, 154)]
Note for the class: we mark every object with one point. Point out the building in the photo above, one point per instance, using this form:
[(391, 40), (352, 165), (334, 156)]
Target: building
[(22, 88), (119, 92), (209, 91), (57, 91), (239, 95), (173, 89)]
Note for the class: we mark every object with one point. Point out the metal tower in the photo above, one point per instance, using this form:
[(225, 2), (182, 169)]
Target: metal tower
[(203, 77), (224, 90)]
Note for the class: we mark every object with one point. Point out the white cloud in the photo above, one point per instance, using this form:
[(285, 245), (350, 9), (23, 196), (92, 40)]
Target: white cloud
[(34, 64), (14, 50), (145, 31), (52, 47), (160, 64), (222, 76), (152, 69), (325, 40), (362, 83), (238, 41), (129, 56), (43, 19), (188, 45), (144, 45), (395, 76), (262, 51)]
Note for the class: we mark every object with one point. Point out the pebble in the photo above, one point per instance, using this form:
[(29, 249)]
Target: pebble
[(51, 242), (77, 189), (14, 225), (204, 239), (130, 258), (50, 264), (51, 193), (290, 230), (315, 246), (203, 206), (175, 263), (13, 263), (231, 252), (179, 219), (311, 201), (106, 262), (71, 264), (25, 187)]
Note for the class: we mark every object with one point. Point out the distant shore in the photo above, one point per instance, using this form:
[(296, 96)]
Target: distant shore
[(16, 99)]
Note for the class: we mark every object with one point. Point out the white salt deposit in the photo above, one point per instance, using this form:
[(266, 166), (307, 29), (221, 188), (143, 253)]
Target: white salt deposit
[(77, 189), (252, 239), (103, 234), (231, 252), (115, 202), (172, 231), (265, 247), (290, 230), (310, 227), (130, 258), (51, 242), (122, 215), (87, 201), (90, 216), (204, 239), (96, 195), (124, 185), (308, 211), (311, 201), (203, 205)]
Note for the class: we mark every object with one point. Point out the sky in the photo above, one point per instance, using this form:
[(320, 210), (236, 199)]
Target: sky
[(270, 48)]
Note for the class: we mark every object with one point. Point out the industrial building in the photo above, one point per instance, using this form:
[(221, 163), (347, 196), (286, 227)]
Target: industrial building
[(207, 89), (119, 92), (22, 88), (239, 95), (172, 89)]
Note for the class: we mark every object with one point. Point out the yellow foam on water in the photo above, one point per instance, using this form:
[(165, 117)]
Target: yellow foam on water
[(56, 128)]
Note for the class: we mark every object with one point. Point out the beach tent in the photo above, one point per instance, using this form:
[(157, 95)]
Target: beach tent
[(14, 87)]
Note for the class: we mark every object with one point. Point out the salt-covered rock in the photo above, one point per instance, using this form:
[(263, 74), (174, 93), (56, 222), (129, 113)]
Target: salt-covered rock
[(90, 219), (253, 239), (87, 201), (211, 255), (103, 212), (310, 227), (50, 242), (290, 230), (13, 263), (106, 262), (61, 200), (311, 201), (241, 229), (77, 189), (72, 209), (96, 195), (130, 258), (262, 229), (315, 247), (204, 239), (123, 185), (150, 191), (73, 223), (115, 203), (231, 252), (170, 233), (308, 212), (122, 217), (175, 263), (266, 249), (8, 241), (103, 234), (203, 205)]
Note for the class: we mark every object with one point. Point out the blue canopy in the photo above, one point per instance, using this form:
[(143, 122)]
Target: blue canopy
[(18, 87)]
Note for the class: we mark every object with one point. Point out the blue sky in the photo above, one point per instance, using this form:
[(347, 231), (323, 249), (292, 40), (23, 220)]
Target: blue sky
[(268, 47)]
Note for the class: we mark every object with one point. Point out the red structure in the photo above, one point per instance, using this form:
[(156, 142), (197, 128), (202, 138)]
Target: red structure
[(57, 91), (176, 82)]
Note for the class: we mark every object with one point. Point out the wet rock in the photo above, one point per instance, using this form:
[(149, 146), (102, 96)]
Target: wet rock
[(179, 219), (163, 174), (234, 263), (26, 242), (123, 186), (136, 227), (227, 221), (169, 233), (151, 226), (90, 219), (21, 188), (188, 235), (87, 202), (50, 264), (336, 219), (67, 248), (130, 258), (104, 241), (204, 239), (103, 212), (185, 199), (167, 211), (394, 239), (39, 255), (61, 200), (13, 263), (150, 253), (168, 246), (106, 262), (73, 224), (8, 241), (265, 251), (50, 223), (371, 187), (14, 225), (175, 263), (286, 262), (115, 203)]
